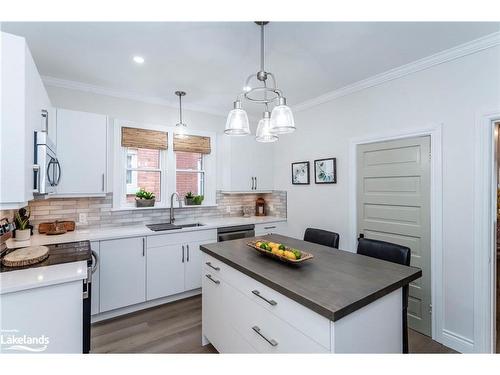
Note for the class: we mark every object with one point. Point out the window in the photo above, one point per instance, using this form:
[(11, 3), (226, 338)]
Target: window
[(143, 171), (190, 173)]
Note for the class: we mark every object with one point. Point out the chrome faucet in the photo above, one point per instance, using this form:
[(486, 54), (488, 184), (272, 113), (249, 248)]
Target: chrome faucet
[(172, 218)]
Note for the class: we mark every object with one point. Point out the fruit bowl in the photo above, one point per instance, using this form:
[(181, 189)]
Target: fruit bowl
[(280, 252)]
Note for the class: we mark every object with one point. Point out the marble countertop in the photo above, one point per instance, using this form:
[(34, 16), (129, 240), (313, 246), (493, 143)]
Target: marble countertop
[(108, 233)]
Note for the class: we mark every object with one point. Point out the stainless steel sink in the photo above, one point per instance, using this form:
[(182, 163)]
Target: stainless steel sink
[(168, 226)]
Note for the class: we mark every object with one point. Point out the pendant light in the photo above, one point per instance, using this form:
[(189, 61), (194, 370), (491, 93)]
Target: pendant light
[(180, 127), (261, 88), (263, 133)]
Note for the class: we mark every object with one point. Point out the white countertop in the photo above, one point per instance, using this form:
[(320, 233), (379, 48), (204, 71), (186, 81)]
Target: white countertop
[(29, 278), (97, 234), (13, 281)]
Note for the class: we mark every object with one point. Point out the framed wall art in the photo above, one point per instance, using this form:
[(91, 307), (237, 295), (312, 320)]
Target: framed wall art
[(300, 173), (325, 171)]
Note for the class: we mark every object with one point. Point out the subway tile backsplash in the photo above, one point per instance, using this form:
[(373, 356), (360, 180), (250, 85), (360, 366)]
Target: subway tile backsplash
[(99, 210)]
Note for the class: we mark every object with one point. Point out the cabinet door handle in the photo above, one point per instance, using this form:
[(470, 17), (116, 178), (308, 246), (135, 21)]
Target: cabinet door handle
[(270, 227), (271, 342), (252, 183), (182, 253), (211, 266), (209, 277), (102, 186), (187, 246), (269, 301), (255, 183), (143, 246)]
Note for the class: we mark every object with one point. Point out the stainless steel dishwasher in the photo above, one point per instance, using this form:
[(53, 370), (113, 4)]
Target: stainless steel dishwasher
[(235, 232)]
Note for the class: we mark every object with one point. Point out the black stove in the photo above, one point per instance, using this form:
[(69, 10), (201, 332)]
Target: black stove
[(58, 254)]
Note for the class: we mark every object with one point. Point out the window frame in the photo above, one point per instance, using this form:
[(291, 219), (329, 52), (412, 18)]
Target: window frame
[(118, 167)]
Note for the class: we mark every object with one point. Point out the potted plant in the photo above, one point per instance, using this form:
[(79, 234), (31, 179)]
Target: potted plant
[(193, 200), (22, 221), (144, 198)]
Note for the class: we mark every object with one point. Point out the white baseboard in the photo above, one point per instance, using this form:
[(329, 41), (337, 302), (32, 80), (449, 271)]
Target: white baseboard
[(457, 342), (141, 306)]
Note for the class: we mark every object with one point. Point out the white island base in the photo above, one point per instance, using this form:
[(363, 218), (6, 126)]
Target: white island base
[(242, 315)]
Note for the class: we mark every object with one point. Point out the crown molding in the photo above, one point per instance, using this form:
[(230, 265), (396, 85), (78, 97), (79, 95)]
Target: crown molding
[(459, 51), (100, 90)]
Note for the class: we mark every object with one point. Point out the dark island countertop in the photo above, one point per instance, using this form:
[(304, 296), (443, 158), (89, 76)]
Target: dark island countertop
[(334, 283)]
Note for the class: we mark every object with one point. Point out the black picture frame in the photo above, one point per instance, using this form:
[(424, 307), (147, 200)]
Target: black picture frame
[(334, 180), (307, 165)]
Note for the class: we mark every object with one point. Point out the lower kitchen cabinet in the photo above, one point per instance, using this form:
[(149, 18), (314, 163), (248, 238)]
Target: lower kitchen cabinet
[(122, 273), (192, 269), (165, 271)]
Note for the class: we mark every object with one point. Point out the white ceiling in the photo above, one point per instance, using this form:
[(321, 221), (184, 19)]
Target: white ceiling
[(210, 60)]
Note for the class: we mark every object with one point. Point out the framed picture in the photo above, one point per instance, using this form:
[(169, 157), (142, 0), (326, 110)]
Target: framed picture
[(300, 173), (325, 171)]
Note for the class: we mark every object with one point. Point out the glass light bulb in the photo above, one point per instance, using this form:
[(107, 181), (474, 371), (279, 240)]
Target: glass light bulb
[(282, 121), (263, 133), (180, 130), (237, 123)]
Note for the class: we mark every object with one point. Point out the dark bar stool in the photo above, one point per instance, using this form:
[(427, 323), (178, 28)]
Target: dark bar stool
[(322, 237), (391, 253)]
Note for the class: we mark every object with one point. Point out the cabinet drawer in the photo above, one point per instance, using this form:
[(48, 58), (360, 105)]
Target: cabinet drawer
[(303, 319), (265, 331), (269, 228), (208, 235)]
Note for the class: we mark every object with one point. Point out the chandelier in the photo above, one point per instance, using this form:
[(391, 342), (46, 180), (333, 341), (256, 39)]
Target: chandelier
[(261, 88)]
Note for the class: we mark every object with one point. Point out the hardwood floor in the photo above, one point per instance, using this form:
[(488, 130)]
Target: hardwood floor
[(176, 328)]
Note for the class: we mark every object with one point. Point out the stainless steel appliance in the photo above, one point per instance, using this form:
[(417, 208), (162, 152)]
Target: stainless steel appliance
[(235, 232), (46, 168)]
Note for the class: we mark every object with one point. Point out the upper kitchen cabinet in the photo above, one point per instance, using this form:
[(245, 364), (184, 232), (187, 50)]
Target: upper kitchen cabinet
[(26, 108), (81, 150), (245, 165)]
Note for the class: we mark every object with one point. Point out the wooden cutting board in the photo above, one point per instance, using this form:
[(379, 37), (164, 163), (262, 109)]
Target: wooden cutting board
[(25, 256)]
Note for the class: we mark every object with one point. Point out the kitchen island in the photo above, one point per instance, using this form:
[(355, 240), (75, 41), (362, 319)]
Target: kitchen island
[(338, 302)]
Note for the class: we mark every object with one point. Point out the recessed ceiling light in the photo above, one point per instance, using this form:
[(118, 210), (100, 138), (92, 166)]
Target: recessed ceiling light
[(139, 59)]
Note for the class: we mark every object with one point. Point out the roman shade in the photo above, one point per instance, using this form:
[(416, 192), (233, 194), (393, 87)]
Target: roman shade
[(144, 138), (192, 143)]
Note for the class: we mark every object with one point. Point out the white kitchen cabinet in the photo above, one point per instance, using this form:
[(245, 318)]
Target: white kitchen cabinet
[(245, 164), (81, 150), (24, 97), (174, 262), (165, 271), (94, 246), (122, 273), (192, 274)]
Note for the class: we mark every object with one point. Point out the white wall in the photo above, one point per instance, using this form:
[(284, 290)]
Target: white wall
[(452, 94)]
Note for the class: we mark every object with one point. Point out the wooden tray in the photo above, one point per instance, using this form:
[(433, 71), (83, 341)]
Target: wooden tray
[(305, 255), (47, 227), (25, 256)]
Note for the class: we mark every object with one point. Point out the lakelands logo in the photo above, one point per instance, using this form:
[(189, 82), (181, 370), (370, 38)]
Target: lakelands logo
[(11, 340)]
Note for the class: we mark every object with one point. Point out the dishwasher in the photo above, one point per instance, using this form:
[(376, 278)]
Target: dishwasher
[(235, 232)]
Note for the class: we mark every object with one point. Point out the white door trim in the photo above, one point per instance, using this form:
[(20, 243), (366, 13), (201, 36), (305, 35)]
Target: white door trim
[(484, 233), (436, 212)]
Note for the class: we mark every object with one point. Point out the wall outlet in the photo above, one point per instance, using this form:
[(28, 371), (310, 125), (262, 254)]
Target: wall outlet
[(228, 209), (82, 218)]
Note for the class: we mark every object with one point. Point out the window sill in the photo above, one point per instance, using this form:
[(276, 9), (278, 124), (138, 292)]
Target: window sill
[(132, 208)]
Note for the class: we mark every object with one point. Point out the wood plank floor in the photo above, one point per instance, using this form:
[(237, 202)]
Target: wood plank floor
[(176, 328)]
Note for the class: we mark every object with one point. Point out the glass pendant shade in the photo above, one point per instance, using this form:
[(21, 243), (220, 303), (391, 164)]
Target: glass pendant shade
[(180, 130), (237, 121), (264, 130), (282, 121)]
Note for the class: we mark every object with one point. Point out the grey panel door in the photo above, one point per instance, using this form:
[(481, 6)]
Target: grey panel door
[(393, 203)]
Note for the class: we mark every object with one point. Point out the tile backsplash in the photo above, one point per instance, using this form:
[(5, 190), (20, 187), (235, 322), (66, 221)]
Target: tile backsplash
[(100, 214)]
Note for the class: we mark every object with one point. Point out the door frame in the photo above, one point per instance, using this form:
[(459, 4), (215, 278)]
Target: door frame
[(436, 213), (484, 232)]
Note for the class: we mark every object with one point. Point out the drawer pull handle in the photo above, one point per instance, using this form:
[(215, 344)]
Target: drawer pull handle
[(269, 301), (212, 279), (272, 342), (210, 265), (269, 227)]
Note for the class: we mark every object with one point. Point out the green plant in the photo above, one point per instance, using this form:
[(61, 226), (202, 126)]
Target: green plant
[(22, 219), (189, 195), (197, 199), (143, 194)]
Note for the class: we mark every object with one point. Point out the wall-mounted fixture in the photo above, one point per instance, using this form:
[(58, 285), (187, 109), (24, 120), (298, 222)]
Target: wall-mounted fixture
[(257, 89)]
